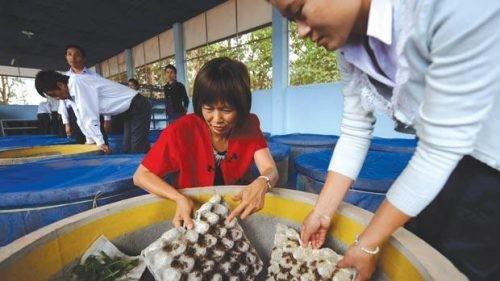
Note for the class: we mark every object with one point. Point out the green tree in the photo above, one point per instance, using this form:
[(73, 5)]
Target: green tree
[(309, 63), (253, 48), (7, 85)]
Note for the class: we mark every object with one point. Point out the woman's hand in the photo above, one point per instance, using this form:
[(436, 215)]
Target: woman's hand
[(364, 263), (314, 229), (183, 212), (252, 200)]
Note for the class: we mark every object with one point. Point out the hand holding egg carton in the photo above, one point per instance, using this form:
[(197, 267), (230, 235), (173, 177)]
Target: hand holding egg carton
[(213, 249), (291, 261)]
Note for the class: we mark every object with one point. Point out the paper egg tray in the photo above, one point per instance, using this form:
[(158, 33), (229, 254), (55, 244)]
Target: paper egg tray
[(212, 250), (291, 261)]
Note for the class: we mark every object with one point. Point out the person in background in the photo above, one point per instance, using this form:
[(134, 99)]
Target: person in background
[(133, 84), (176, 98), (92, 96), (56, 125), (75, 57), (43, 116), (433, 66), (214, 146)]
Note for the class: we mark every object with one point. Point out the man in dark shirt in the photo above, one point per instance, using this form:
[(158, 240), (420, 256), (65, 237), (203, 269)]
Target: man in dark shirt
[(176, 98)]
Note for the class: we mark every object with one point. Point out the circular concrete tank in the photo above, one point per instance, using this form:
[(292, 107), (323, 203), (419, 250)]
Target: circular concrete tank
[(37, 153), (50, 252)]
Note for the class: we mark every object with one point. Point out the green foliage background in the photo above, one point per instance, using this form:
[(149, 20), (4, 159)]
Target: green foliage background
[(309, 64)]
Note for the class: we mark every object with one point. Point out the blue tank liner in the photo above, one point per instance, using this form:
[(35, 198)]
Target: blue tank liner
[(393, 145), (301, 144), (36, 194), (12, 142), (368, 191)]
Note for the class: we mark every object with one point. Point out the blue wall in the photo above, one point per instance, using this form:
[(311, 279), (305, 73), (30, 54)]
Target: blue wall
[(27, 112), (314, 109)]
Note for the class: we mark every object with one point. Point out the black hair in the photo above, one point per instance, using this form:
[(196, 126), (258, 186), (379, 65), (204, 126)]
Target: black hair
[(46, 80), (133, 80), (171, 66), (74, 46), (223, 80)]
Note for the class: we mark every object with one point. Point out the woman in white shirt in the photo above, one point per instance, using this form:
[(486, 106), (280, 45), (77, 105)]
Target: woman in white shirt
[(434, 67)]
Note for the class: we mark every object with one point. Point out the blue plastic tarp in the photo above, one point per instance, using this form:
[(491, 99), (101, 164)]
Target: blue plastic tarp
[(305, 139), (279, 151), (116, 140), (377, 174), (301, 144), (64, 180), (393, 145), (23, 141), (33, 195)]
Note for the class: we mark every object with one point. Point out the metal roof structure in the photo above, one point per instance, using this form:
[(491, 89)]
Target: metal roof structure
[(33, 34)]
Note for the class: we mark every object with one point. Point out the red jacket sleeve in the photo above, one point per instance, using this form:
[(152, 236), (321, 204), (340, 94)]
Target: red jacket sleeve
[(161, 158)]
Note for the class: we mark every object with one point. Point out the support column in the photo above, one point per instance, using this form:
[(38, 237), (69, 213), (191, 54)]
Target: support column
[(129, 63), (180, 52), (280, 72), (98, 69)]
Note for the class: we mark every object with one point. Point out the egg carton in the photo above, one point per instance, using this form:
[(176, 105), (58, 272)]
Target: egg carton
[(212, 250), (291, 261)]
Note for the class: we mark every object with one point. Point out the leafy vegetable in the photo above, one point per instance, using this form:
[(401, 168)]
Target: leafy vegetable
[(103, 268)]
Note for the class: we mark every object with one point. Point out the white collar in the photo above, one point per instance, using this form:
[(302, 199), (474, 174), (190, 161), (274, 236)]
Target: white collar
[(85, 70), (380, 21)]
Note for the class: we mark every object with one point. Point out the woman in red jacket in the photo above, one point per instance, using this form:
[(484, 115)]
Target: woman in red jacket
[(214, 146)]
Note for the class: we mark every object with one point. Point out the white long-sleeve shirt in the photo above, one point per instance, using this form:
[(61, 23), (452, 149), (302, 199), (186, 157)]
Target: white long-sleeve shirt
[(65, 104), (446, 86), (43, 107), (94, 95), (53, 104)]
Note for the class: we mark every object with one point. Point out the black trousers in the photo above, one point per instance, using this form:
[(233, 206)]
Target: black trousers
[(463, 222), (56, 125), (136, 123), (76, 132), (43, 123)]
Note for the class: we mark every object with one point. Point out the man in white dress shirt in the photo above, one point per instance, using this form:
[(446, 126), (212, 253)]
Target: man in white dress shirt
[(75, 57), (93, 96), (432, 65)]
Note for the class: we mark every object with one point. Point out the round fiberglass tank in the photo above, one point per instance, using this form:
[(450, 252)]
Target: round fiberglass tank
[(368, 191), (115, 141), (37, 194), (37, 153), (281, 155), (24, 141), (50, 253), (393, 145), (300, 144)]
